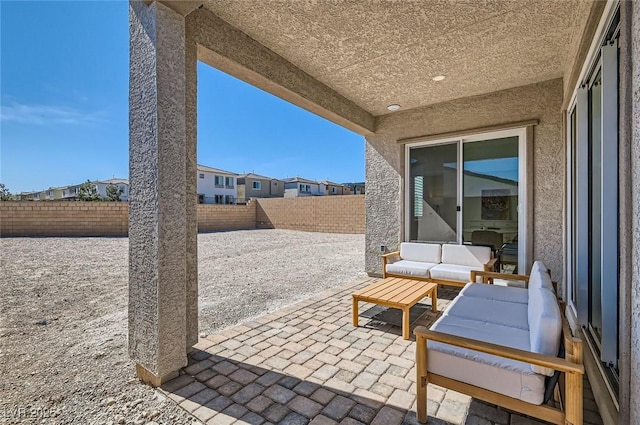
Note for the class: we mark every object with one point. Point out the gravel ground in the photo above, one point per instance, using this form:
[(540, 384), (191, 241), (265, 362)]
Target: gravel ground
[(63, 315)]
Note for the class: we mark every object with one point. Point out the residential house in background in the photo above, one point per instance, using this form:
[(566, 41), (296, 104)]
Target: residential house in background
[(70, 193), (355, 188), (331, 188), (121, 184), (216, 186), (297, 187), (252, 185)]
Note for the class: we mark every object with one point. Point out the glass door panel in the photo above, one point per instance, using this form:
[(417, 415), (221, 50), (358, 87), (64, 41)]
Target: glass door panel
[(595, 207), (433, 193), (490, 195)]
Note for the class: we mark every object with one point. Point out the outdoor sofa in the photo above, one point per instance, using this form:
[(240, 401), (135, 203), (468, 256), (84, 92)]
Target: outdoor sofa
[(507, 346), (446, 264)]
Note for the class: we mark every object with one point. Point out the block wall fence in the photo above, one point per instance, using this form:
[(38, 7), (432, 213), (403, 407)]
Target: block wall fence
[(331, 214)]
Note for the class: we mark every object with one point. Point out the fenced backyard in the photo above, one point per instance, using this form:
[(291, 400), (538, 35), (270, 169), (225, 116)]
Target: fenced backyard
[(329, 214), (63, 303)]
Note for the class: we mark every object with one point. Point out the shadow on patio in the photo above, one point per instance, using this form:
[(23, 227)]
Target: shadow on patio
[(306, 363)]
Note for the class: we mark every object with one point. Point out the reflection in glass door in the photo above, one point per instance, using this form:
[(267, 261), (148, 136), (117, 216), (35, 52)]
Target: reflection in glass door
[(433, 193), (490, 196), (469, 191)]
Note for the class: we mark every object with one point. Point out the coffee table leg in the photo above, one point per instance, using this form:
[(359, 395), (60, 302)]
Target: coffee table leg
[(434, 300), (355, 312), (405, 323)]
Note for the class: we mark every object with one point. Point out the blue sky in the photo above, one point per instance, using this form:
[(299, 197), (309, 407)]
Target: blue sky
[(64, 107)]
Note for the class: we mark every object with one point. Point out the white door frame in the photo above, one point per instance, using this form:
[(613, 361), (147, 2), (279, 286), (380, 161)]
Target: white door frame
[(523, 194)]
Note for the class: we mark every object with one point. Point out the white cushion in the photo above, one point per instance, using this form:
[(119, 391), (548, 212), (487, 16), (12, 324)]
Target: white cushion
[(426, 252), (452, 272), (537, 266), (540, 279), (545, 325), (494, 292), (504, 376), (483, 310), (466, 255), (410, 268)]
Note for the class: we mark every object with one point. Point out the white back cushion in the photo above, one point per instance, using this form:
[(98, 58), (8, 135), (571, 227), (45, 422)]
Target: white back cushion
[(545, 325), (466, 255), (537, 266), (541, 279), (425, 252)]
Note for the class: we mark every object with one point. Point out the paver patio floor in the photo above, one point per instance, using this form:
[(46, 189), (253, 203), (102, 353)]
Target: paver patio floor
[(308, 364)]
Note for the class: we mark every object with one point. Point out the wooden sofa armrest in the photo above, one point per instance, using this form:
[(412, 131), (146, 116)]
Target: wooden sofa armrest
[(490, 265), (488, 276), (390, 254), (385, 260), (555, 363)]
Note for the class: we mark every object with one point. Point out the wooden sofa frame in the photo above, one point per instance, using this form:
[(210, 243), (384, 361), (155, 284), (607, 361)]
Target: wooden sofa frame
[(489, 276), (568, 392), (489, 266)]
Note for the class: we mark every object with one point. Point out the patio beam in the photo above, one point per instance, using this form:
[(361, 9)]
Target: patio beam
[(230, 50), (162, 253)]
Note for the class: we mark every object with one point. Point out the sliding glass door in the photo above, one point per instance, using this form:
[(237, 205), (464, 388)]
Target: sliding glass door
[(593, 204), (433, 178), (469, 191)]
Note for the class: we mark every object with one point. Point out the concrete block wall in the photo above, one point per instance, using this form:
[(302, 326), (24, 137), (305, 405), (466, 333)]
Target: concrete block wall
[(330, 214), (226, 217), (61, 218)]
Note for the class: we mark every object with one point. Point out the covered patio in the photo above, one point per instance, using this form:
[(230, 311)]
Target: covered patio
[(307, 363), (556, 82)]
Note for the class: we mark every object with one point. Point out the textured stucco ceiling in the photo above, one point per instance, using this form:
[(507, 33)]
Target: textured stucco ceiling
[(376, 52)]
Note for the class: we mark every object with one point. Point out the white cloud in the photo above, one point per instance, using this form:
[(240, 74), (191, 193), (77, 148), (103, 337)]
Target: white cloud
[(46, 114)]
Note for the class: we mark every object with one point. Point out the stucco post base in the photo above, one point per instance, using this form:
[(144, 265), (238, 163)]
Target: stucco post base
[(151, 379)]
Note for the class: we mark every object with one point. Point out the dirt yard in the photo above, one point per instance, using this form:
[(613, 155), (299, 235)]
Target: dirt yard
[(63, 315)]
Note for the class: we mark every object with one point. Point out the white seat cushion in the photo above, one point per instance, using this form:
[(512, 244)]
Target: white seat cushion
[(452, 272), (494, 292), (482, 310), (425, 252), (466, 255), (504, 376), (410, 268), (545, 324)]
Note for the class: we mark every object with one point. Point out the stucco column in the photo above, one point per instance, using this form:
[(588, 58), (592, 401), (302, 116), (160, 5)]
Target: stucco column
[(162, 220)]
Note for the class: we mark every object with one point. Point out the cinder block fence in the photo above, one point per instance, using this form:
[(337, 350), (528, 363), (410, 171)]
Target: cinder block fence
[(331, 214), (44, 218)]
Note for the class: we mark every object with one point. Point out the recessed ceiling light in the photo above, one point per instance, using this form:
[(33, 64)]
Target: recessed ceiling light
[(393, 107), (439, 78)]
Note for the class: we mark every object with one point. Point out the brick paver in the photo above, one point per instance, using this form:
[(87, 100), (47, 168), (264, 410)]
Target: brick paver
[(307, 364)]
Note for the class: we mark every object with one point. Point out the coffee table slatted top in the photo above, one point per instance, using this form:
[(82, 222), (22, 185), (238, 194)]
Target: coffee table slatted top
[(399, 293), (395, 292)]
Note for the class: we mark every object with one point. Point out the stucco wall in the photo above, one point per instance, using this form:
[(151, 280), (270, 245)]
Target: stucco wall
[(385, 162)]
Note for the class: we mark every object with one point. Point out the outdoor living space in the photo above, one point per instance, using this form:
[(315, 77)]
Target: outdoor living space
[(477, 117), (307, 363)]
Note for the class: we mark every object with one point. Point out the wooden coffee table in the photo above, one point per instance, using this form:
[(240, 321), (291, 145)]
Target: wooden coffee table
[(397, 293)]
